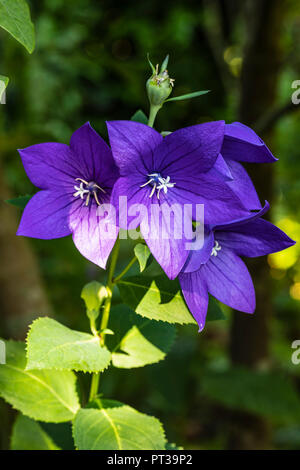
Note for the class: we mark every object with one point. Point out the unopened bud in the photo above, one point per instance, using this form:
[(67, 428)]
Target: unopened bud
[(160, 85)]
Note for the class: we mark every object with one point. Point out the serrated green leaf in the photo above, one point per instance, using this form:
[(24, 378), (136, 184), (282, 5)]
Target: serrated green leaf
[(20, 201), (28, 435), (15, 19), (262, 393), (48, 395), (188, 96), (51, 345), (116, 426), (140, 116), (157, 299), (139, 341), (143, 255), (3, 84)]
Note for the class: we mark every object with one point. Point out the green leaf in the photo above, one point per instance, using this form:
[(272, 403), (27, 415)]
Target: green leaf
[(51, 345), (28, 435), (42, 395), (116, 426), (3, 84), (20, 201), (262, 393), (157, 299), (188, 96), (143, 255), (140, 116), (138, 341), (15, 19)]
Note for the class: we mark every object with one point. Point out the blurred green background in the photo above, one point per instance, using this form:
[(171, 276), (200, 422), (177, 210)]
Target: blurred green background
[(234, 385)]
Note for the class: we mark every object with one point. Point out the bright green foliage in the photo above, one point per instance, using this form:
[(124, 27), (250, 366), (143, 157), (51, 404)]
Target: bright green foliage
[(51, 345), (15, 19), (94, 293), (189, 95), (3, 84), (138, 341), (157, 299), (140, 116), (143, 255), (48, 395), (262, 393), (116, 426), (20, 201), (28, 435)]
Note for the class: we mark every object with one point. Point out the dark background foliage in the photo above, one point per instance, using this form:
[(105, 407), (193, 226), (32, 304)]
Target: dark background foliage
[(234, 385)]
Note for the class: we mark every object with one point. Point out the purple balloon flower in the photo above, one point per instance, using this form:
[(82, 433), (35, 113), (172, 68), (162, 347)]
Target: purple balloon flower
[(242, 144), (75, 181), (178, 169), (218, 269)]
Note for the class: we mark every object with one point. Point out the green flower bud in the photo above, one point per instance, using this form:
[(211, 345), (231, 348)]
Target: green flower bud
[(160, 85), (93, 294)]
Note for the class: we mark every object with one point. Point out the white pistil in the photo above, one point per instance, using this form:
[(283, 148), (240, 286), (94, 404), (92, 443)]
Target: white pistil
[(215, 249), (159, 183), (91, 188)]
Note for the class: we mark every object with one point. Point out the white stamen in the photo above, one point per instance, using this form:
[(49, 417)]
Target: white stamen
[(215, 249), (159, 184), (91, 188)]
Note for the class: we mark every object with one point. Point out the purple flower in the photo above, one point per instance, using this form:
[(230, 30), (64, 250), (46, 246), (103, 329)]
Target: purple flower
[(242, 144), (75, 181), (178, 169), (218, 269)]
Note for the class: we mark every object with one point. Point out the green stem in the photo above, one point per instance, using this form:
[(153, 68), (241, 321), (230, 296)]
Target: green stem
[(152, 115), (131, 263), (105, 315)]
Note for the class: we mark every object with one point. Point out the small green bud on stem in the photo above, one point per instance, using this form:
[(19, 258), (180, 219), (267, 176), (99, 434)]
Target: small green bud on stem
[(94, 293), (159, 86)]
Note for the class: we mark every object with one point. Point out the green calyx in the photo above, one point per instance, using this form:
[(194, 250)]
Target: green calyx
[(159, 86), (94, 293)]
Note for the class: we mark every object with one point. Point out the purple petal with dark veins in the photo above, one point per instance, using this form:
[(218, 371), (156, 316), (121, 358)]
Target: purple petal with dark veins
[(51, 165), (256, 238), (228, 279), (133, 146), (242, 186), (220, 202), (243, 220), (46, 215), (164, 234), (242, 144), (189, 151), (94, 157), (92, 237), (198, 257), (195, 293)]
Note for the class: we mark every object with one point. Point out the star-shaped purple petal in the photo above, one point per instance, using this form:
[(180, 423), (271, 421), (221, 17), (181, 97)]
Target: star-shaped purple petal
[(76, 181)]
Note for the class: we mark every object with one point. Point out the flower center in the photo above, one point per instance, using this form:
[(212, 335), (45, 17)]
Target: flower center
[(87, 189), (158, 183), (215, 249)]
